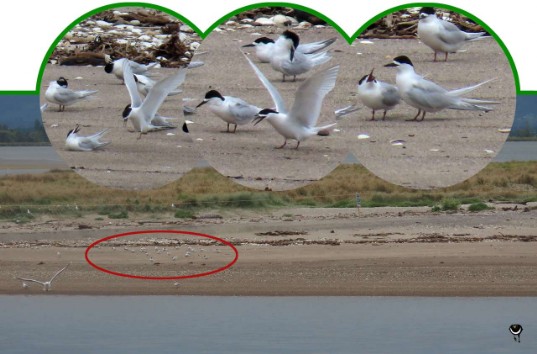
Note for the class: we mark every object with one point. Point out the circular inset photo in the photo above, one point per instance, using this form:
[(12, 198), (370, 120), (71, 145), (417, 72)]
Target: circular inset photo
[(112, 97), (266, 99), (437, 96)]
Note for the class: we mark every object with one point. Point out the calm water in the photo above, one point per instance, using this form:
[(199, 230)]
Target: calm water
[(220, 325)]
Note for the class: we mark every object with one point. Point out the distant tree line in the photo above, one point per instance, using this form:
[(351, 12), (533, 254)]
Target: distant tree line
[(20, 136)]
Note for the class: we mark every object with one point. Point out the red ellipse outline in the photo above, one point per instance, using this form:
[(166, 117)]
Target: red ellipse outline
[(198, 275)]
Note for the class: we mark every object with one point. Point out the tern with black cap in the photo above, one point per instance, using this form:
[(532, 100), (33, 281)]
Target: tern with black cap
[(443, 36), (428, 96)]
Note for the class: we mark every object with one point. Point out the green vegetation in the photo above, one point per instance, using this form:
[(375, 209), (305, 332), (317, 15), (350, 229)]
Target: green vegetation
[(35, 135), (479, 206), (66, 193)]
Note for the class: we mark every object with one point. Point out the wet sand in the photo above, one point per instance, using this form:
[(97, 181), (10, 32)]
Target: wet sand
[(380, 251)]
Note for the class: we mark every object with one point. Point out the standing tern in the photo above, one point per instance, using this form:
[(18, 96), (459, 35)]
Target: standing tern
[(299, 123), (442, 36), (58, 92), (75, 142), (142, 113), (264, 47), (377, 95), (291, 62), (47, 285), (427, 96), (231, 110)]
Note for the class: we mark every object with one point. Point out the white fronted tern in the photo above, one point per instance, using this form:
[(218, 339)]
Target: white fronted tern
[(142, 113), (298, 123), (427, 96), (231, 110), (291, 62), (443, 36), (264, 47), (75, 142), (58, 92)]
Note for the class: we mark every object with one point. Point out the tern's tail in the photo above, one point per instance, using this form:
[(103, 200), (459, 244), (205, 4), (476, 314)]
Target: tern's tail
[(470, 104), (476, 36), (86, 93), (465, 90)]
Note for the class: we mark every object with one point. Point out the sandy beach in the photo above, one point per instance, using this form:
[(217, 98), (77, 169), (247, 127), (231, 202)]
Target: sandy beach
[(377, 251)]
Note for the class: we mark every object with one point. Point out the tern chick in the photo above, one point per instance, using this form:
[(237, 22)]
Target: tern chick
[(377, 95)]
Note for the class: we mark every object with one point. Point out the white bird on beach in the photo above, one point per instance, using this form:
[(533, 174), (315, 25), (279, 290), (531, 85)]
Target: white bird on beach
[(291, 62), (116, 67), (427, 96), (47, 285), (298, 123), (144, 85), (443, 36), (75, 142), (264, 47), (58, 92), (377, 95), (142, 113), (231, 110)]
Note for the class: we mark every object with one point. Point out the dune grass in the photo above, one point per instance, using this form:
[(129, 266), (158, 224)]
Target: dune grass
[(65, 192)]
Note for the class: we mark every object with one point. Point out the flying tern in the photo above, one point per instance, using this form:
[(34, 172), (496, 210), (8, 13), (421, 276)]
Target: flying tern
[(144, 84), (116, 67), (47, 285), (264, 47), (75, 142), (231, 110), (427, 96), (298, 123), (142, 113), (292, 62), (377, 95), (443, 36), (58, 92)]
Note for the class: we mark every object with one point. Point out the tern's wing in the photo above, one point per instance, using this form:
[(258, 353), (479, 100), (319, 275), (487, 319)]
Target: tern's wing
[(32, 280), (160, 91), (308, 48), (58, 273), (276, 97), (243, 111), (65, 95), (128, 77), (309, 96), (428, 94), (390, 94), (450, 33)]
